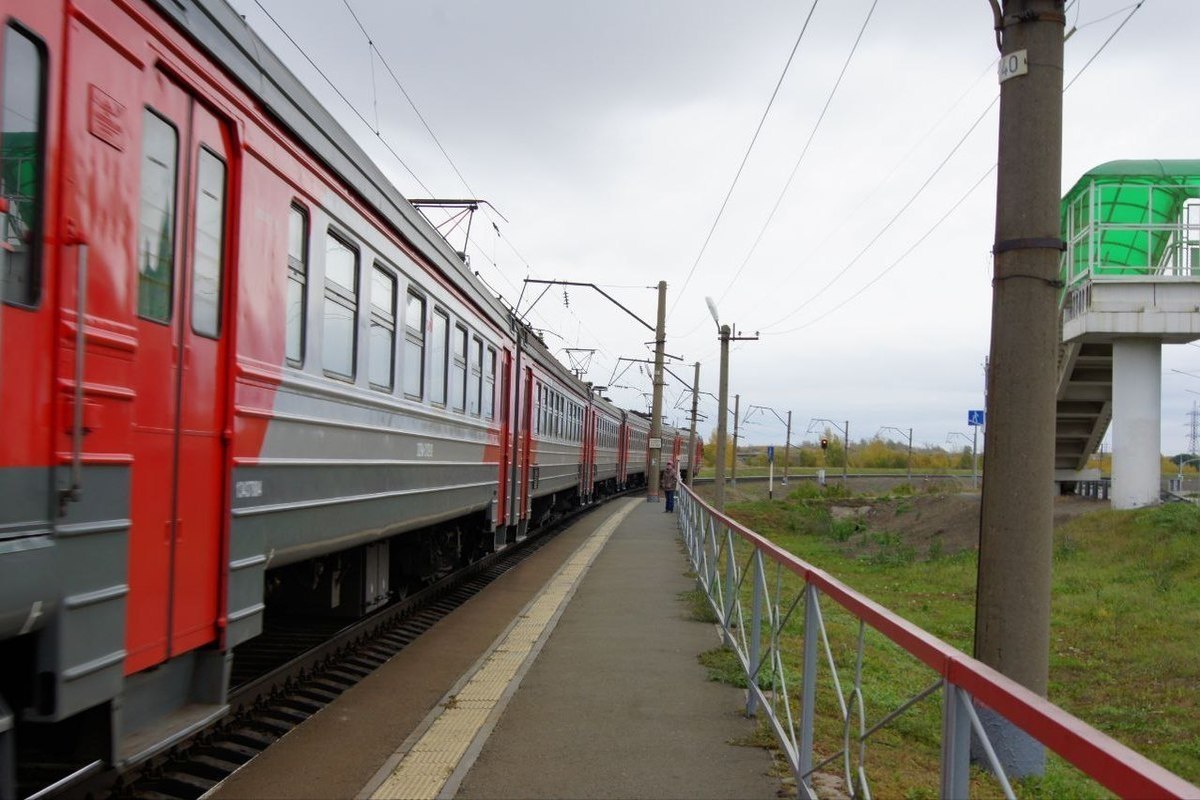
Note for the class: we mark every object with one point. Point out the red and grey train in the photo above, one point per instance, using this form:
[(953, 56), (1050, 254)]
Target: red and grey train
[(238, 372)]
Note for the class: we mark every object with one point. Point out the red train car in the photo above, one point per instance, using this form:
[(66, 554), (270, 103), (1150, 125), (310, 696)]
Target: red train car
[(239, 373)]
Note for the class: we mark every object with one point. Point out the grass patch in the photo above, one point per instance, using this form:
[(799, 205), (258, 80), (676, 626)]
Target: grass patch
[(698, 607), (1125, 617)]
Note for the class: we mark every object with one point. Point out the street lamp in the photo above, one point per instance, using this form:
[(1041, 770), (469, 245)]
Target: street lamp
[(897, 430)]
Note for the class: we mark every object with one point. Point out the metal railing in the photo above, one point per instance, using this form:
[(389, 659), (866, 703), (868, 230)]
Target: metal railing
[(777, 612), (1100, 246)]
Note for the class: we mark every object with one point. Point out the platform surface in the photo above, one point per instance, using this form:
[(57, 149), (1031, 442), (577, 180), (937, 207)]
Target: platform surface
[(611, 702)]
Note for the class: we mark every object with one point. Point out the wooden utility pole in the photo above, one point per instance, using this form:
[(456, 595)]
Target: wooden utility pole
[(1012, 610)]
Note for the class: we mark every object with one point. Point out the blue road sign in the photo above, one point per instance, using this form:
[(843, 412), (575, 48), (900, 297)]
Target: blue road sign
[(770, 452), (975, 417)]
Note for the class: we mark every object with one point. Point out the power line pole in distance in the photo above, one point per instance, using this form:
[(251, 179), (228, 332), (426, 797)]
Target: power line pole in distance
[(727, 335), (693, 462), (660, 341)]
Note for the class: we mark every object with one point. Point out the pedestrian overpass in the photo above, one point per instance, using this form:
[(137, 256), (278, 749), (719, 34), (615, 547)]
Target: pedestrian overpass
[(1131, 282)]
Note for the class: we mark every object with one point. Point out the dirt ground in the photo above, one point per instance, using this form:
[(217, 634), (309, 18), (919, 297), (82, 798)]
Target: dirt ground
[(952, 519), (946, 514)]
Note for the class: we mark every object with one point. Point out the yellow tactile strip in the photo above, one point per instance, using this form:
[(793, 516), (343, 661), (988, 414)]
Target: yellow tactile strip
[(463, 715)]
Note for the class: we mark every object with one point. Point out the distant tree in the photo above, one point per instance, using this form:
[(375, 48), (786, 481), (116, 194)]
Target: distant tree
[(879, 454), (710, 449)]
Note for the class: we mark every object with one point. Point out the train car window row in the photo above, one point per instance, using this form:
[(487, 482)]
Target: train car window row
[(22, 166), (461, 370), (558, 416), (297, 281), (608, 433), (156, 229)]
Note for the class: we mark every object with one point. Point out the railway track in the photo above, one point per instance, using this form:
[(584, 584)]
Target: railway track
[(291, 672)]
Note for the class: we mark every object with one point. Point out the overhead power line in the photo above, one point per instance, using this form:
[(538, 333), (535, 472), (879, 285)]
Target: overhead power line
[(745, 158), (345, 100), (768, 328), (803, 152)]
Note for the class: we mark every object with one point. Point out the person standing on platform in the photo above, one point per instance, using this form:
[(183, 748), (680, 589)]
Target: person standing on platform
[(670, 482)]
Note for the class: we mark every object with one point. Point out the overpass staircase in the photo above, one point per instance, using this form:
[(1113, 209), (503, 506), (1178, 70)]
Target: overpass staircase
[(1084, 404)]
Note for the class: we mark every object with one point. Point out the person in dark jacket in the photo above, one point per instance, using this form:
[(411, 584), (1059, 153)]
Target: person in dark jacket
[(670, 482)]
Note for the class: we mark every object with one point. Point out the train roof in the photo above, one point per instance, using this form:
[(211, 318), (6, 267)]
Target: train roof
[(217, 28)]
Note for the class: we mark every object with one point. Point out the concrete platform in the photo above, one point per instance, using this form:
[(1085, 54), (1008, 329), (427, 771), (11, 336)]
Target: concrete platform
[(616, 704), (605, 699)]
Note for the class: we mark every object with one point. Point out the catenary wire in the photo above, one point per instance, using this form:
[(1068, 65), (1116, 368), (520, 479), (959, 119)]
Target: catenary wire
[(938, 223), (745, 158), (803, 152)]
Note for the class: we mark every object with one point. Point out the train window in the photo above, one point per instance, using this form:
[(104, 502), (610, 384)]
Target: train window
[(381, 366), (489, 384), (544, 411), (440, 348), (475, 378), (156, 231), (414, 346), (297, 279), (22, 156), (458, 375), (208, 258), (341, 304)]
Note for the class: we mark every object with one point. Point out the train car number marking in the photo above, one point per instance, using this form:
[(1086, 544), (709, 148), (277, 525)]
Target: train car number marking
[(244, 489), (424, 449)]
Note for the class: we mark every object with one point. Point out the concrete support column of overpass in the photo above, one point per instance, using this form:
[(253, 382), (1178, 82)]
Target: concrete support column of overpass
[(1137, 416)]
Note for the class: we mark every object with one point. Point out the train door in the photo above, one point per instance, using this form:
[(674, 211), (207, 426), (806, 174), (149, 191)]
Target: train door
[(526, 455), (178, 475)]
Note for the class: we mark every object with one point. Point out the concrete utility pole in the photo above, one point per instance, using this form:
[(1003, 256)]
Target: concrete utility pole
[(693, 462), (1012, 607), (660, 341), (723, 402), (722, 412), (737, 405)]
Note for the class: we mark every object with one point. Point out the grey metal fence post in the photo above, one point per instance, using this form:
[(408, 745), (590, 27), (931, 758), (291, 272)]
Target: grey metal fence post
[(755, 634), (808, 698), (730, 583), (956, 744), (709, 557)]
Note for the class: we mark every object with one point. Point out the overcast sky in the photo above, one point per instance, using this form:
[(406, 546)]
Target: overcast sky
[(608, 134)]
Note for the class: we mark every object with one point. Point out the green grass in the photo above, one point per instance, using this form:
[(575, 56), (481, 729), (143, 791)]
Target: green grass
[(1123, 650)]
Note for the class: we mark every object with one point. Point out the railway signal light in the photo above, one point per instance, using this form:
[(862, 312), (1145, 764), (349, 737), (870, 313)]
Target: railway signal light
[(824, 443)]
